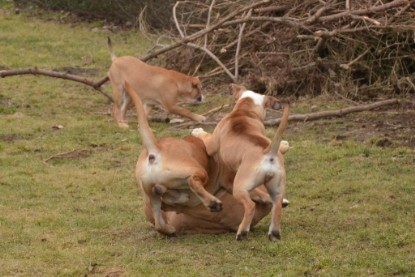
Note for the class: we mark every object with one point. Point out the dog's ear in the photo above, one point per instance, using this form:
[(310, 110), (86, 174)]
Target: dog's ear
[(196, 82), (271, 102), (237, 90)]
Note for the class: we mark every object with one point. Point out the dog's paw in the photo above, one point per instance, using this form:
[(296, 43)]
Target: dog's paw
[(285, 203), (262, 199), (123, 125), (167, 230), (274, 235), (242, 235), (284, 146), (176, 120), (215, 206), (198, 132), (159, 190), (200, 118)]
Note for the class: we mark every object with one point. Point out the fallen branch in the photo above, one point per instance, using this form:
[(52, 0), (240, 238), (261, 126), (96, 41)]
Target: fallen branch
[(393, 4), (306, 117), (215, 110), (77, 153), (66, 76), (336, 113)]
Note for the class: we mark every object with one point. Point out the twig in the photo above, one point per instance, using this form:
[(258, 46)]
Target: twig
[(233, 43), (70, 154), (176, 22), (399, 13), (66, 76), (208, 21), (215, 110), (393, 4), (347, 66), (238, 46), (318, 13), (283, 20), (271, 9), (216, 59)]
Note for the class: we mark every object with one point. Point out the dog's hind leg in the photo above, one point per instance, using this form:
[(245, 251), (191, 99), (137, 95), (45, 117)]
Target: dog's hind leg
[(118, 95), (243, 184), (197, 184), (276, 191), (125, 103), (159, 223)]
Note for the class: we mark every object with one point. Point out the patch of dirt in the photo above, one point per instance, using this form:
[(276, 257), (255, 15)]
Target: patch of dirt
[(387, 127), (383, 127), (13, 137)]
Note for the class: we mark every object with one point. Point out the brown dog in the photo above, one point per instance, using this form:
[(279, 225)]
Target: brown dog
[(171, 170), (248, 158), (199, 220), (155, 85)]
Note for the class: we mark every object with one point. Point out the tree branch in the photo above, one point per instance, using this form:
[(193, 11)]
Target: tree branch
[(66, 76), (335, 113), (393, 4), (204, 31)]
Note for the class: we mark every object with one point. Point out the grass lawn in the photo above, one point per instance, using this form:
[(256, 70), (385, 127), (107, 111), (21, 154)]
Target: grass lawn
[(69, 205)]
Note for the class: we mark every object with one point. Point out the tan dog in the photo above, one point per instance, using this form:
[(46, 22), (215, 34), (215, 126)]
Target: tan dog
[(171, 170), (155, 85), (199, 220), (248, 158)]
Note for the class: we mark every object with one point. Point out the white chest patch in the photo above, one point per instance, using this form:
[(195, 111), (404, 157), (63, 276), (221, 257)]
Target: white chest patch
[(256, 97)]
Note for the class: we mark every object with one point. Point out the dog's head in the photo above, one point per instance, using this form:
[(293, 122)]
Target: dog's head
[(265, 101), (192, 93)]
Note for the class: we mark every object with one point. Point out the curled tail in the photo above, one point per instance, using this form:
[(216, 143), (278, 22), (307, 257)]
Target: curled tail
[(276, 140), (113, 57), (147, 137)]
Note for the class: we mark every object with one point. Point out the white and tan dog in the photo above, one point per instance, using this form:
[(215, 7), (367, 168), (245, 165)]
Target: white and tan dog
[(248, 158), (171, 170), (154, 85), (199, 220)]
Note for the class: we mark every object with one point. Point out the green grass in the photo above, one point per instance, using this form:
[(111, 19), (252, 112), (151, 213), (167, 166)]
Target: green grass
[(352, 204)]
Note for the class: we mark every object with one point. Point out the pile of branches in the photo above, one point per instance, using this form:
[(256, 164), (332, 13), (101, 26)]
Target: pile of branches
[(356, 49)]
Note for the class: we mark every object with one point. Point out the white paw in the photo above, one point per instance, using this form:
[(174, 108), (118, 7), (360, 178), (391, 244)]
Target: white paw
[(197, 132), (176, 120), (284, 146), (285, 202)]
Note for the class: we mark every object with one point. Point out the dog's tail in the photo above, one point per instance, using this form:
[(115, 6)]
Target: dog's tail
[(147, 136), (113, 56), (276, 140)]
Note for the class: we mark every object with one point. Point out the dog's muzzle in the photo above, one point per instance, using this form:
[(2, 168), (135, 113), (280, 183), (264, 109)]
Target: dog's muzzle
[(200, 99)]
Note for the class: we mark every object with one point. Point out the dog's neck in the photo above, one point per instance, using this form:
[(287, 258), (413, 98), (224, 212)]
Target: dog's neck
[(256, 97), (249, 105)]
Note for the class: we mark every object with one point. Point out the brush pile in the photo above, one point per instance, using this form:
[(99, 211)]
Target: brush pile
[(355, 49)]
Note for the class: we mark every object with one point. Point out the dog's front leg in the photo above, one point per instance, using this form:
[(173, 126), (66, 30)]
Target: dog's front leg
[(159, 223), (197, 184), (186, 113)]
